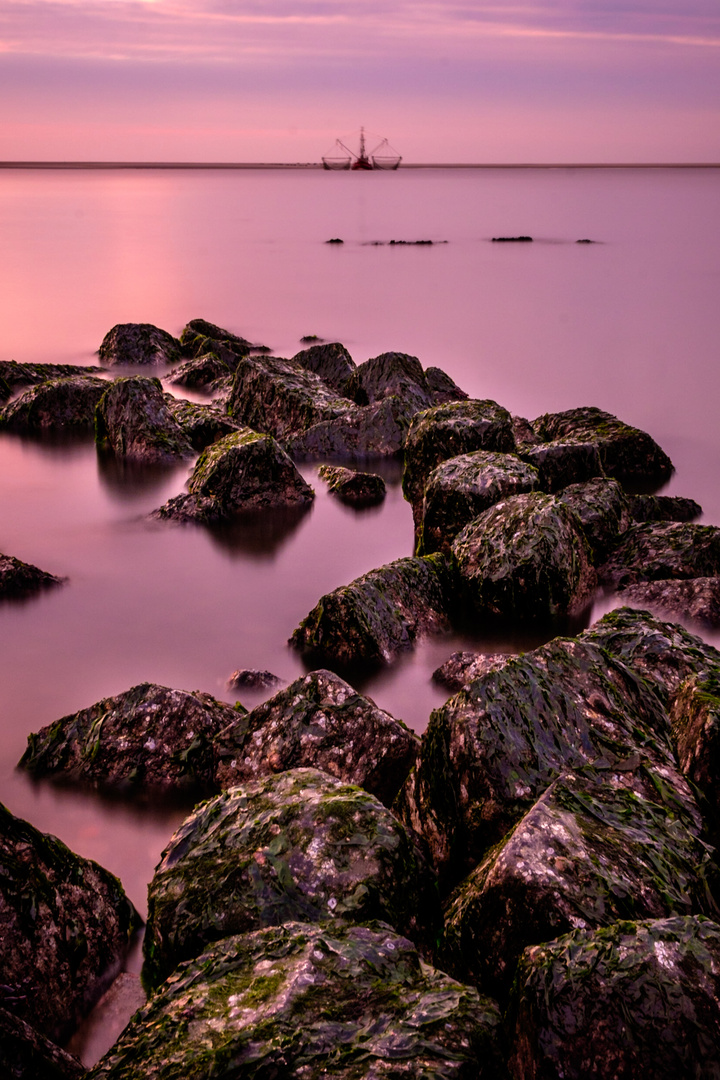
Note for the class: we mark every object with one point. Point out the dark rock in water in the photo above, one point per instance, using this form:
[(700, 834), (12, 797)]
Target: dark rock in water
[(65, 927), (203, 424), (63, 404), (299, 845), (445, 431), (655, 551), (133, 421), (25, 1054), (379, 614), (490, 751), (695, 720), (462, 668), (252, 679), (596, 847), (512, 239), (147, 737), (696, 599), (304, 1001), (354, 487), (203, 372), (368, 431), (626, 453), (602, 506), (198, 330), (18, 578), (335, 240), (138, 343), (442, 387), (311, 339), (634, 1000), (526, 557), (663, 508), (14, 375), (461, 488), (562, 463), (321, 722), (331, 361), (243, 471), (391, 374)]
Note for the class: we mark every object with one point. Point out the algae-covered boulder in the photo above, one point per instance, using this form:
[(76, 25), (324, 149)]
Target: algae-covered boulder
[(351, 486), (203, 424), (391, 374), (380, 614), (602, 506), (663, 508), (561, 463), (596, 847), (331, 361), (65, 404), (308, 1001), (147, 737), (138, 343), (25, 1054), (626, 452), (204, 372), (65, 927), (633, 1000), (461, 488), (462, 668), (133, 420), (298, 845), (18, 578), (695, 599), (318, 721), (442, 387), (361, 431), (200, 330), (14, 375), (654, 551), (526, 557), (695, 721), (446, 431), (492, 749)]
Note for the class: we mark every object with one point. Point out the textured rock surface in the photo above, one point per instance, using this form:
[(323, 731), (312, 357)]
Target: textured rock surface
[(696, 599), (133, 420), (318, 721), (351, 486), (391, 374), (462, 668), (695, 720), (602, 507), (331, 361), (203, 424), (442, 387), (138, 343), (561, 463), (658, 550), (149, 736), (299, 845), (308, 1001), (205, 371), (25, 1054), (253, 679), (198, 331), (663, 508), (18, 578), (379, 614), (526, 557), (58, 404), (635, 1000), (65, 926), (368, 431), (14, 375)]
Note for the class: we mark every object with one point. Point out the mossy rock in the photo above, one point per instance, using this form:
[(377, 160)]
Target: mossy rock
[(562, 463), (310, 1001), (361, 431), (298, 845), (204, 424), (133, 421), (353, 487), (321, 722), (602, 507), (25, 1054), (695, 599), (525, 558), (462, 668), (695, 720), (13, 376), (663, 508), (128, 344), (18, 578), (331, 361), (201, 329), (65, 928), (391, 374), (633, 1000), (655, 551), (65, 404), (442, 387), (203, 372)]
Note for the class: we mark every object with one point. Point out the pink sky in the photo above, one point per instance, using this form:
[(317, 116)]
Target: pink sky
[(278, 80)]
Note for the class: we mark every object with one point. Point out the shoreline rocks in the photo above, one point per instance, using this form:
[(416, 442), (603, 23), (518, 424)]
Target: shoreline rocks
[(128, 344), (356, 488), (134, 421), (19, 579)]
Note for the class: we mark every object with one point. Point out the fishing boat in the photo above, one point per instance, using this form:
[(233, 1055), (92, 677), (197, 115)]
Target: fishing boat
[(345, 159)]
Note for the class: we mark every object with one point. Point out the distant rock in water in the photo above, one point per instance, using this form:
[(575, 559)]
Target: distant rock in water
[(64, 404), (358, 488), (14, 375), (512, 239), (19, 578), (663, 508), (335, 240), (252, 679), (138, 343)]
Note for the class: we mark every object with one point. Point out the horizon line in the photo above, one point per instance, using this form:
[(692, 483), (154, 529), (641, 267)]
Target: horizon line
[(318, 165)]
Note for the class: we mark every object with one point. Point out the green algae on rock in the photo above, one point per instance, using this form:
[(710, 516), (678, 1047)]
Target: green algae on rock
[(198, 331), (14, 375), (65, 928), (133, 420), (654, 551), (206, 371), (391, 374), (351, 486), (602, 506), (318, 721), (63, 404), (561, 463), (25, 1054), (18, 578), (309, 1001), (363, 431), (331, 361), (462, 668), (695, 721), (298, 845), (138, 343), (694, 599), (204, 424), (633, 1000)]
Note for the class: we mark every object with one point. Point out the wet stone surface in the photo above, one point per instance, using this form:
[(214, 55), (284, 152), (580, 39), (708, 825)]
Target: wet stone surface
[(138, 343), (133, 421), (654, 551), (362, 488), (65, 404), (19, 579)]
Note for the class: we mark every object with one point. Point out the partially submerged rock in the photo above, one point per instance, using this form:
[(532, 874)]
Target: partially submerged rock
[(331, 361), (695, 599), (462, 668), (198, 331), (204, 372), (65, 927), (663, 508), (25, 1054), (62, 404), (252, 679), (602, 507), (298, 845), (367, 431), (18, 578), (203, 424), (308, 1001), (655, 551), (321, 722), (391, 374), (351, 486), (561, 463), (14, 375), (134, 421), (138, 343)]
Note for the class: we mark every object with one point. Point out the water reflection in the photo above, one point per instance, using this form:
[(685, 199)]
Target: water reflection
[(125, 480), (259, 535)]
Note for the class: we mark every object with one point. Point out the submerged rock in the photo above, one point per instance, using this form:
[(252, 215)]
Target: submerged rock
[(602, 507), (138, 343), (635, 1000), (18, 578), (354, 487), (331, 361), (663, 508), (299, 845), (321, 722), (25, 1054), (696, 599), (379, 614), (203, 424), (561, 463), (252, 679), (133, 421), (308, 1001), (65, 927), (14, 375), (658, 550), (147, 737), (63, 404)]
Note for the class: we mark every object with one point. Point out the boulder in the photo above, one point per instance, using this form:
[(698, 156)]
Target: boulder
[(695, 721), (298, 845), (25, 1054), (442, 388), (635, 1000), (203, 424), (62, 404), (626, 452), (602, 506), (252, 679), (663, 508), (462, 668), (391, 374), (200, 330), (380, 614), (525, 558), (13, 376), (321, 722), (203, 372), (353, 487), (368, 431), (655, 551), (331, 361), (133, 421), (65, 928), (308, 1001), (695, 599), (18, 578), (561, 463), (461, 488), (138, 343)]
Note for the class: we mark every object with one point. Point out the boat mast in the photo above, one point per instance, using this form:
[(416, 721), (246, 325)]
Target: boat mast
[(362, 144)]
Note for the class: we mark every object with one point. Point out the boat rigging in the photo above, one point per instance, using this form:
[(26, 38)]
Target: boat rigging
[(343, 158)]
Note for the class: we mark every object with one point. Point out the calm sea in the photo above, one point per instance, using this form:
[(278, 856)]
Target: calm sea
[(630, 323)]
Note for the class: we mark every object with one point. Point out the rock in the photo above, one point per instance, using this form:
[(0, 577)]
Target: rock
[(391, 374), (202, 424), (655, 551), (98, 1031), (525, 558), (134, 421), (201, 329), (244, 471), (446, 431), (596, 847), (379, 614), (637, 999), (369, 431), (331, 361), (353, 487), (663, 508), (57, 404), (462, 668), (321, 722), (512, 239), (18, 578), (442, 388), (65, 927), (461, 488), (562, 463), (203, 372), (602, 506), (491, 751), (308, 1001), (25, 1054), (695, 720), (696, 599), (14, 375), (147, 737), (138, 343), (524, 433), (252, 679), (299, 845), (626, 453)]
